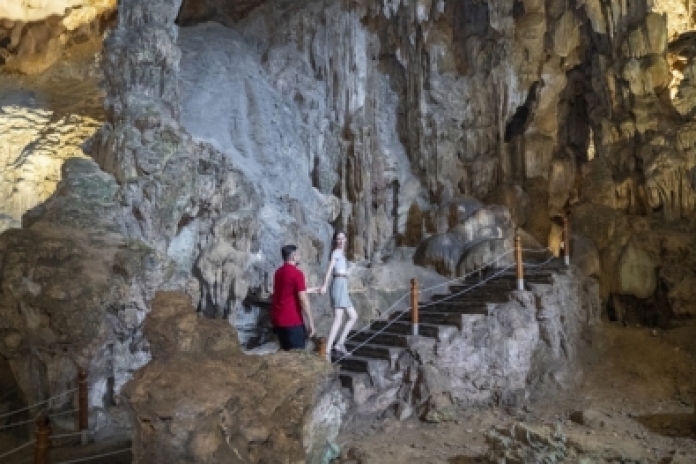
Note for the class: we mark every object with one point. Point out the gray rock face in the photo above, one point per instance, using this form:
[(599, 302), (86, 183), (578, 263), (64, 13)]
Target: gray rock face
[(390, 120), (82, 288), (252, 129), (506, 352), (520, 348)]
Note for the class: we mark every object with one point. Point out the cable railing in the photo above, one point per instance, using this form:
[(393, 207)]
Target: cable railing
[(32, 406), (416, 296), (390, 310), (17, 449), (43, 419)]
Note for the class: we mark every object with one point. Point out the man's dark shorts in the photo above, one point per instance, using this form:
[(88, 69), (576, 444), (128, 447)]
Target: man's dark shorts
[(291, 338)]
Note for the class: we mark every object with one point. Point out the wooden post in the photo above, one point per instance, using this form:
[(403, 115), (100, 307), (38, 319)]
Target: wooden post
[(414, 305), (518, 260), (566, 239), (321, 342), (83, 405), (43, 431)]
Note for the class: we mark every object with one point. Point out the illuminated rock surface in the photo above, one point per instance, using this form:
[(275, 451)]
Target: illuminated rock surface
[(406, 124)]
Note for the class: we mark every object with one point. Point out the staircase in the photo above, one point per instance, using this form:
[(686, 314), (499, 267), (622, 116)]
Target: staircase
[(372, 364)]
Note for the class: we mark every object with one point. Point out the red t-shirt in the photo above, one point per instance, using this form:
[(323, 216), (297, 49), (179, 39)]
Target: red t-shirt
[(288, 281)]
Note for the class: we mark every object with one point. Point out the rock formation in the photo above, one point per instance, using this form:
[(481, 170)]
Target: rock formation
[(44, 120), (440, 126), (35, 35), (280, 408), (492, 345)]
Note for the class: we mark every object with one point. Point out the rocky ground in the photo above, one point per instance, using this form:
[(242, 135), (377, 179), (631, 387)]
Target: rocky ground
[(634, 405)]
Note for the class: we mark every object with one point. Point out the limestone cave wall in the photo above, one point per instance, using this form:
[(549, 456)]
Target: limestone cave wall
[(231, 128)]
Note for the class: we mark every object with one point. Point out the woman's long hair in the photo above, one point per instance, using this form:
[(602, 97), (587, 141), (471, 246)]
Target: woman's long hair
[(334, 240)]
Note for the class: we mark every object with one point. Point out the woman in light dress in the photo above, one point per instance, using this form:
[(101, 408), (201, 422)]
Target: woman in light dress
[(340, 300)]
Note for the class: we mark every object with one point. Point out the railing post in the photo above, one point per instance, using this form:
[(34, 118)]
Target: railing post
[(414, 305), (566, 239), (518, 260), (322, 347), (43, 431), (83, 405)]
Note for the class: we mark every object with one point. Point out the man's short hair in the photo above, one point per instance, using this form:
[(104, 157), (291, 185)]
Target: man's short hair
[(287, 252)]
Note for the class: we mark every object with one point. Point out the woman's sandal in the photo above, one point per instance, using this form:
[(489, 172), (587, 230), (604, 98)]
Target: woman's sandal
[(341, 349)]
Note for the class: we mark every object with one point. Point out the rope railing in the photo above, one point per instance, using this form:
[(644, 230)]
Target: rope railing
[(16, 424), (414, 294), (11, 413), (63, 413), (43, 428), (19, 448), (42, 443), (392, 321), (469, 288), (384, 315), (65, 435)]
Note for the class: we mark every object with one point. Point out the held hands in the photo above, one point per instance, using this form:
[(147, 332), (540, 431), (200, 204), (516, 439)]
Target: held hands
[(311, 330), (321, 290)]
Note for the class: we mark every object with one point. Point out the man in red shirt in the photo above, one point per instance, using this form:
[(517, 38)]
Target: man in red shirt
[(289, 295)]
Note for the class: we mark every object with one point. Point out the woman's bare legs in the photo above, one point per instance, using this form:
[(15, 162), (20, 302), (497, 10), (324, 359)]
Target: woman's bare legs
[(337, 321), (352, 317)]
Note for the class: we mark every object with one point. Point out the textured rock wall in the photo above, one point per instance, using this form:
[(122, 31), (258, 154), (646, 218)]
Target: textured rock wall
[(44, 121), (35, 35), (281, 408), (523, 348), (74, 292), (396, 121)]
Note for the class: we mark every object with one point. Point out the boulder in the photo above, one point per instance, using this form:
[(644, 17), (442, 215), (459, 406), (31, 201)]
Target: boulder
[(247, 409)]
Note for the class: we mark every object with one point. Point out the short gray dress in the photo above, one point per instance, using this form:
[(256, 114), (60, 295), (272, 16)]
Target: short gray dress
[(339, 285)]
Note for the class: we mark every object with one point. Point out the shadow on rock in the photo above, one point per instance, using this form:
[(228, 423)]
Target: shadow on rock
[(673, 425), (466, 460)]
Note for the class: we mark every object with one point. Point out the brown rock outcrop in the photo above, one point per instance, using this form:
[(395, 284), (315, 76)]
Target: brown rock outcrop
[(202, 400), (34, 36)]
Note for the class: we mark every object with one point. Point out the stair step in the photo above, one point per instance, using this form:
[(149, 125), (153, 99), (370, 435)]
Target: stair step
[(493, 285), (350, 380), (364, 364), (374, 350), (474, 297), (454, 307), (406, 328), (382, 338), (432, 317)]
